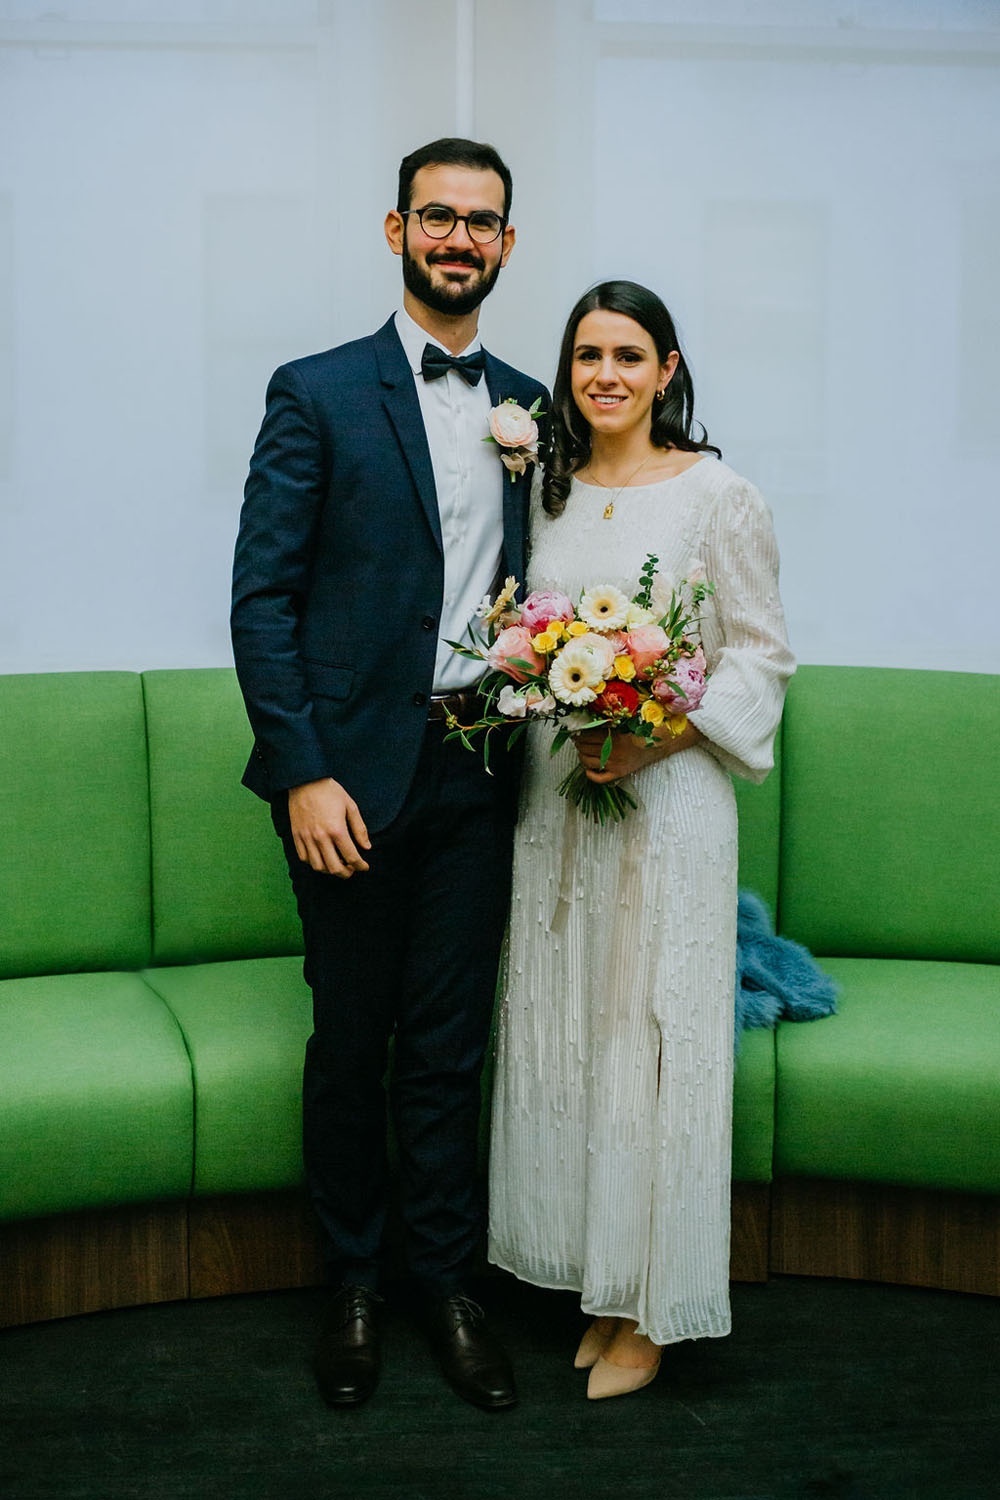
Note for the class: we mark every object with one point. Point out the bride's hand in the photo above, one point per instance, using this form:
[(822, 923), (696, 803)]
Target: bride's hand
[(628, 752)]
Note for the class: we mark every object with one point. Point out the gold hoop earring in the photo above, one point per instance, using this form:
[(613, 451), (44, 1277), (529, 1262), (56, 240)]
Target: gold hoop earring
[(662, 395)]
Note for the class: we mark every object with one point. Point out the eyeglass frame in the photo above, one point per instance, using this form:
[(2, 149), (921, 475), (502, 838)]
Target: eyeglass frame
[(458, 219)]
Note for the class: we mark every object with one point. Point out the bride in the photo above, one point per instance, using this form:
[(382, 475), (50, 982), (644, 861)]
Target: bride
[(610, 1154)]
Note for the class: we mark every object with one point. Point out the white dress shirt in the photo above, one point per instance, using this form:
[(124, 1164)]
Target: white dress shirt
[(468, 478)]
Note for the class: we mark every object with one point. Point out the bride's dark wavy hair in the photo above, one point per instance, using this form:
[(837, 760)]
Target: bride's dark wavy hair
[(672, 418)]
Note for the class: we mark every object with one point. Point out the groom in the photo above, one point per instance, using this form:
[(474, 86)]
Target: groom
[(375, 520)]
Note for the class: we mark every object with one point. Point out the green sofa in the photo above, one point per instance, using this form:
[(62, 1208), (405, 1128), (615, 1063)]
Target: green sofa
[(153, 1013)]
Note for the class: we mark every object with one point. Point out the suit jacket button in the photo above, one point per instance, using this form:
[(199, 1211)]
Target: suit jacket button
[(428, 622), (420, 699)]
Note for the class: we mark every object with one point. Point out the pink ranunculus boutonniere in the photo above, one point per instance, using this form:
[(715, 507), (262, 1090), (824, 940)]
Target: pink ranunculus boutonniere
[(515, 432)]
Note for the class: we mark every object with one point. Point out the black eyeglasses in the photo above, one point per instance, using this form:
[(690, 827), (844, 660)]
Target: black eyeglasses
[(437, 221)]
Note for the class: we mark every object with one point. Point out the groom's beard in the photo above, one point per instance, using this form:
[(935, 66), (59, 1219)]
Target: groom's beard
[(451, 298)]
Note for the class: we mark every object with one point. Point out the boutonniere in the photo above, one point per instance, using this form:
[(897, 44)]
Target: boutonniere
[(515, 433)]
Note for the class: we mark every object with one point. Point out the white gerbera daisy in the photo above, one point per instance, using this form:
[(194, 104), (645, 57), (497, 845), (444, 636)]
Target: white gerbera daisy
[(604, 608), (575, 674)]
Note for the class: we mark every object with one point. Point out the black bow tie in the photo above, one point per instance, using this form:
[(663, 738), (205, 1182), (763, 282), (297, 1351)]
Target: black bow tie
[(435, 362)]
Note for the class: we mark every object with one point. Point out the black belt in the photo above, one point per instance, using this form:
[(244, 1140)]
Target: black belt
[(466, 706)]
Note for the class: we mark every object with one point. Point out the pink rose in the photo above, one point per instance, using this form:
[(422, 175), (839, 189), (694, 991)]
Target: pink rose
[(542, 607), (512, 426), (688, 677), (514, 642), (646, 644)]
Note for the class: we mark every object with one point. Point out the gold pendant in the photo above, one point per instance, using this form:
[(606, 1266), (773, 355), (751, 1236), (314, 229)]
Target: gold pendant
[(609, 511)]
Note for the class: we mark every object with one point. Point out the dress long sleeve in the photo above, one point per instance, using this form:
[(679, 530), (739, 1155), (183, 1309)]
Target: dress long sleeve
[(752, 662)]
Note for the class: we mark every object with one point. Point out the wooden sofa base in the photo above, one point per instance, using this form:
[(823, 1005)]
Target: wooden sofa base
[(873, 1232), (211, 1247), (214, 1247), (79, 1263)]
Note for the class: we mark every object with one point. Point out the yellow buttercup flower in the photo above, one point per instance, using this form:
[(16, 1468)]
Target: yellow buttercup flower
[(624, 667), (652, 712), (545, 641), (577, 628), (557, 628), (677, 723)]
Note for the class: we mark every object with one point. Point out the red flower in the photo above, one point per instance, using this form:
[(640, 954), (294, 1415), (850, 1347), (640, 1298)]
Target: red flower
[(618, 698)]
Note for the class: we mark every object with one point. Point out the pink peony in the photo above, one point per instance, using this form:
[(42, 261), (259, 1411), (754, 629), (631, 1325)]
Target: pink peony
[(542, 607), (689, 676), (646, 644), (515, 641)]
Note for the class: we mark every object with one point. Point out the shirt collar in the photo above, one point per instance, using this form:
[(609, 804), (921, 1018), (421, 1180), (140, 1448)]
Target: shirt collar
[(413, 338)]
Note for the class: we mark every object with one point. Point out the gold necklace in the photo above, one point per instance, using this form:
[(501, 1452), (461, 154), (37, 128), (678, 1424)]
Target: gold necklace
[(609, 509)]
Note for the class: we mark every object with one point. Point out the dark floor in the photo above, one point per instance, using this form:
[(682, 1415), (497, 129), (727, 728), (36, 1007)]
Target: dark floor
[(825, 1389)]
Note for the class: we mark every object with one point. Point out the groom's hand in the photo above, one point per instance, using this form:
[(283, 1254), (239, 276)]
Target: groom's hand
[(327, 828)]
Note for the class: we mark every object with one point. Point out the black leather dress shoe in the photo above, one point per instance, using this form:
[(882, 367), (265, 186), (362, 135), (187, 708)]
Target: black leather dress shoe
[(472, 1361), (348, 1359)]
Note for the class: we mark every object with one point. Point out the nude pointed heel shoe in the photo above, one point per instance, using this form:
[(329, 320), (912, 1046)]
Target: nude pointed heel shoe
[(592, 1346), (607, 1379)]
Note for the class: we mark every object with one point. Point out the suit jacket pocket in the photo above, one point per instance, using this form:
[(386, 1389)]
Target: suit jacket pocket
[(326, 681)]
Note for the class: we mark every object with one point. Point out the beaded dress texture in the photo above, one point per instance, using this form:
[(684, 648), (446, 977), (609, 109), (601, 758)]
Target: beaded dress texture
[(612, 1110)]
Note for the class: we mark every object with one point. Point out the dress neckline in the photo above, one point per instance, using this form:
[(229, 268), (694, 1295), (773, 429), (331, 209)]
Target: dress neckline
[(652, 485)]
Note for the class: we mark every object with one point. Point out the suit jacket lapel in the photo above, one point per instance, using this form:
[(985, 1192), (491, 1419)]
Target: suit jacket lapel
[(399, 397), (515, 495)]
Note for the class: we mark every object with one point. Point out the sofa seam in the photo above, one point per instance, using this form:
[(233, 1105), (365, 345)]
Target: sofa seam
[(149, 815), (147, 981)]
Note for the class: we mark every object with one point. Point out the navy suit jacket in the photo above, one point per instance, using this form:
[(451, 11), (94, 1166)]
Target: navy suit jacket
[(339, 572)]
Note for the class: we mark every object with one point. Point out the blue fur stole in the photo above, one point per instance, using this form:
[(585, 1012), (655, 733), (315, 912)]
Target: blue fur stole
[(776, 979)]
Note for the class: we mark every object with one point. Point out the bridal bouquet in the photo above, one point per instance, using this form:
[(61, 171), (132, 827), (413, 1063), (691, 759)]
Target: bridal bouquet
[(607, 661)]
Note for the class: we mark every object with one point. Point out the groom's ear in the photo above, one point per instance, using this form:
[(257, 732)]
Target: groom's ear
[(508, 244), (394, 230)]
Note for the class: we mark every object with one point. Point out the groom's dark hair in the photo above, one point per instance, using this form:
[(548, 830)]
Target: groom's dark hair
[(452, 151)]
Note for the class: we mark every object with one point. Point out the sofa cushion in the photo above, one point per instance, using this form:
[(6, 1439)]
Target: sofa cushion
[(96, 1104), (74, 823), (245, 1025), (902, 1085), (753, 1108), (890, 817), (220, 883)]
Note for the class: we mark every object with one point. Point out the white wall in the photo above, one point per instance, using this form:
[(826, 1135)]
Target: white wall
[(191, 193)]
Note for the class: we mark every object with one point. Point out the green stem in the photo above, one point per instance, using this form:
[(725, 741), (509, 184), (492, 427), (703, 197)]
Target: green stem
[(597, 800)]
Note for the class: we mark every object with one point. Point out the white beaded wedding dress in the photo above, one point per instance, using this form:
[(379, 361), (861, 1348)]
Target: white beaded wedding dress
[(610, 1155)]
